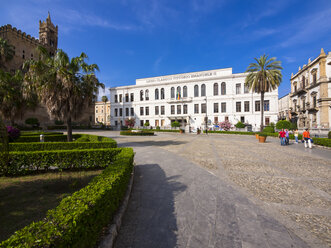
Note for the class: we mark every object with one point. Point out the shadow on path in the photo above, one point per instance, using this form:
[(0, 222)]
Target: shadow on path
[(140, 143), (150, 219)]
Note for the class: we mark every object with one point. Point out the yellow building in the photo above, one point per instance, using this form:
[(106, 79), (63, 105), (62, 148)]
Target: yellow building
[(310, 98), (102, 113)]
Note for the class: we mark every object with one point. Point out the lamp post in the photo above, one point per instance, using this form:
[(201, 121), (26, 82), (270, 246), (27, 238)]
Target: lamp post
[(206, 118)]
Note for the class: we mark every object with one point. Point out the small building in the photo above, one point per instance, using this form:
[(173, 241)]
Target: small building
[(284, 112), (102, 113), (310, 98), (193, 99)]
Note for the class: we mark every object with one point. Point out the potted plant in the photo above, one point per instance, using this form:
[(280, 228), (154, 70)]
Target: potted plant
[(262, 137), (181, 130)]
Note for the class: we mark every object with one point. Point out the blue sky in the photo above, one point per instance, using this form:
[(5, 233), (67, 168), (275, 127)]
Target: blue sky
[(132, 39)]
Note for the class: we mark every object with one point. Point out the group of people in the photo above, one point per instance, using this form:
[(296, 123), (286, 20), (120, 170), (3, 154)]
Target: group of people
[(284, 136)]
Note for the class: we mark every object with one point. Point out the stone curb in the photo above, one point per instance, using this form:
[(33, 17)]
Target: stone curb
[(108, 239)]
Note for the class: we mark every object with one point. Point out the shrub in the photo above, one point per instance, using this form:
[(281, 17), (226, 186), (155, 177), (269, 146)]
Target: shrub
[(140, 133), (58, 122), (329, 135), (48, 138), (263, 134), (268, 129), (175, 124), (232, 132), (32, 121), (283, 124), (322, 141), (38, 133), (130, 122), (240, 125), (158, 128), (225, 125), (146, 124), (294, 126), (13, 133), (79, 218)]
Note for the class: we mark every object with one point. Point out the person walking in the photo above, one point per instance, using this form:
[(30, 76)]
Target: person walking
[(306, 138), (281, 135), (296, 136), (287, 137)]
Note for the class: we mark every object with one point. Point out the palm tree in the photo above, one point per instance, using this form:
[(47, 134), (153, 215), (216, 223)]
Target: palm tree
[(6, 53), (105, 100), (66, 87), (264, 75)]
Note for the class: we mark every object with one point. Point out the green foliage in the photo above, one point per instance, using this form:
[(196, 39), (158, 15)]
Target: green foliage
[(263, 134), (329, 135), (240, 125), (294, 126), (79, 218), (58, 122), (48, 138), (268, 129), (232, 132), (283, 124), (322, 141), (175, 124), (32, 121), (104, 99), (158, 128), (38, 133), (139, 133), (146, 124)]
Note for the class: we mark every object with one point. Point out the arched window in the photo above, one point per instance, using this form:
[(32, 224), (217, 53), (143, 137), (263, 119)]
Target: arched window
[(172, 93), (178, 93), (223, 88), (215, 89), (185, 91), (141, 95), (147, 95), (203, 90), (196, 90), (156, 94), (162, 93)]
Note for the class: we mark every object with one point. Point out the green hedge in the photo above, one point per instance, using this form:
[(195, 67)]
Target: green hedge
[(47, 138), (79, 218), (143, 133), (322, 142), (47, 146), (39, 133), (231, 132), (26, 162), (160, 130)]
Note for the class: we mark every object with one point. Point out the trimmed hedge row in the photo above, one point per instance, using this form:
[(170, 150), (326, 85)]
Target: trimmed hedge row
[(26, 162), (47, 138), (144, 133), (39, 133), (47, 146), (79, 218), (231, 132), (322, 141)]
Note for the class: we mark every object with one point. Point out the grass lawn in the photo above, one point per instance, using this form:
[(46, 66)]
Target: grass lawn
[(27, 198)]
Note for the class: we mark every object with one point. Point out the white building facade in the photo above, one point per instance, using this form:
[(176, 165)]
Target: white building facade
[(192, 98)]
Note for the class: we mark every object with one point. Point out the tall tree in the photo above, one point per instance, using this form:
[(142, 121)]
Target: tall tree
[(65, 86), (6, 53), (105, 100), (263, 76)]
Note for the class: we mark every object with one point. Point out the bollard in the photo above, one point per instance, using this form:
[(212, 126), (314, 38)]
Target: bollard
[(42, 138)]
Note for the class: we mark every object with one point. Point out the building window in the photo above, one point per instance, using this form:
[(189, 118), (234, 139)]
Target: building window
[(246, 89), (314, 101), (223, 88), (172, 92), (238, 106), (223, 107), (142, 123), (132, 97), (226, 118), (96, 119), (156, 94), (238, 89), (215, 107), (267, 121), (178, 93), (185, 109), (126, 97), (96, 111), (267, 105), (185, 91), (314, 78), (132, 112), (203, 90), (295, 88), (121, 112), (116, 123), (126, 111), (215, 89), (116, 112), (162, 110), (303, 82), (120, 98), (116, 99), (172, 109), (215, 120), (179, 109), (141, 110), (196, 108), (162, 93), (141, 95), (156, 110), (147, 95), (146, 110), (203, 108), (246, 106), (314, 118), (196, 90), (23, 56), (242, 119), (257, 106)]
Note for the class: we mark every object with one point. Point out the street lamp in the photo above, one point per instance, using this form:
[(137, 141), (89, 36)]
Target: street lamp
[(206, 118)]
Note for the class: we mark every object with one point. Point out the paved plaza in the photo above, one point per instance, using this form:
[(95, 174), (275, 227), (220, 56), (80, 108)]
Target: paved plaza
[(226, 191)]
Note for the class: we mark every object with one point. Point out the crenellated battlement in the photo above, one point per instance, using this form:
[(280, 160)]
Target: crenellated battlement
[(19, 33)]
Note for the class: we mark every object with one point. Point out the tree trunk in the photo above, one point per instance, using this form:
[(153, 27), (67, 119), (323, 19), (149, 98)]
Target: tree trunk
[(262, 111), (69, 130)]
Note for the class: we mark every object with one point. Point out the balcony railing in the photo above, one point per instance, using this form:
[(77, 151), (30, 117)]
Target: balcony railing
[(181, 100)]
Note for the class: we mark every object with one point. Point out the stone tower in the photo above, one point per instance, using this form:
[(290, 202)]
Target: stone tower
[(48, 34)]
